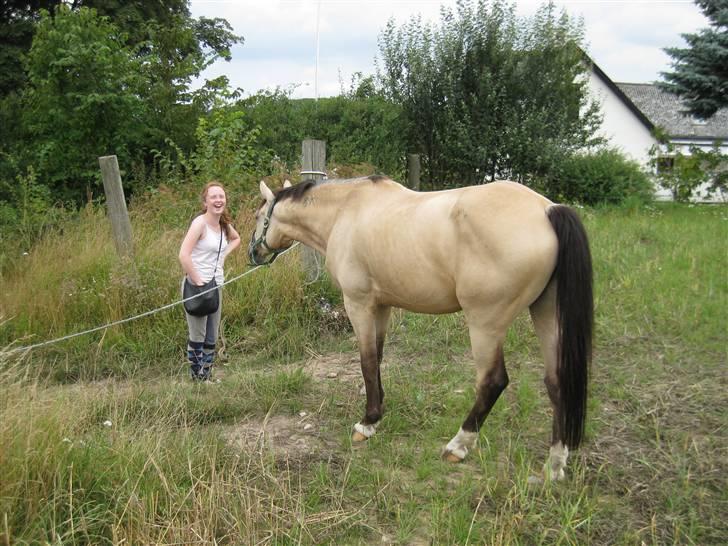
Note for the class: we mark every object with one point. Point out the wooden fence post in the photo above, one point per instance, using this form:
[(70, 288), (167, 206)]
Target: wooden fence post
[(313, 167), (413, 171), (116, 205), (313, 163)]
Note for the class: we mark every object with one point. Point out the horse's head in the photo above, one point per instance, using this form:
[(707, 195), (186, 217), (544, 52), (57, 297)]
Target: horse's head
[(267, 242)]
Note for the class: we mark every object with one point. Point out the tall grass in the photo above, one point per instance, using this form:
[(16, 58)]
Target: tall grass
[(144, 457), (73, 280)]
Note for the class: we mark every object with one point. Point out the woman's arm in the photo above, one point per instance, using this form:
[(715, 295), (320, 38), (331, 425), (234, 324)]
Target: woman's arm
[(185, 252), (233, 240)]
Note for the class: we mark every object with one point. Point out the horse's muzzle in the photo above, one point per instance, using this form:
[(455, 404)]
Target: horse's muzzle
[(254, 257)]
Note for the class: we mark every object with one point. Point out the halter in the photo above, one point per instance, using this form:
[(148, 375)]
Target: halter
[(254, 243)]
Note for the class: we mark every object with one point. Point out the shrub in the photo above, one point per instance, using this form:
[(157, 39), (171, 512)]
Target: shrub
[(687, 171), (601, 177)]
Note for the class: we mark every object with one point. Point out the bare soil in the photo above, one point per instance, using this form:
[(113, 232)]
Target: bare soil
[(300, 436)]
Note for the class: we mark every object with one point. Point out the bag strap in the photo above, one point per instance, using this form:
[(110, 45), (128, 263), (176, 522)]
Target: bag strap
[(219, 247)]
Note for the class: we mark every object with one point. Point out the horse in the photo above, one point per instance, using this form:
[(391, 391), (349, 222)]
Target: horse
[(490, 251)]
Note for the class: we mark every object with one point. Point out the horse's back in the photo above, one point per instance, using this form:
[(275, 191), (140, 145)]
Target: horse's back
[(439, 251)]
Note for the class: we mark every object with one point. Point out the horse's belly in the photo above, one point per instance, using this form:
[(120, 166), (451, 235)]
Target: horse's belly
[(433, 298)]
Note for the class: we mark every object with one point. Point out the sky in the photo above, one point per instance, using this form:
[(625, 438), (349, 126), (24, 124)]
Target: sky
[(625, 38)]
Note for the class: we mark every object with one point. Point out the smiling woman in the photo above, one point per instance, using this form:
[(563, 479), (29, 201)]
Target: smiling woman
[(210, 238)]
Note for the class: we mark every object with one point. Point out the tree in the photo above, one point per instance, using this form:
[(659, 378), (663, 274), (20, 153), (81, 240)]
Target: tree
[(176, 48), (700, 71), (112, 79), (83, 99), (17, 26), (487, 95)]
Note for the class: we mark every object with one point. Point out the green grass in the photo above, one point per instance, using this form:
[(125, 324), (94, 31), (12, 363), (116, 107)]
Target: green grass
[(178, 464)]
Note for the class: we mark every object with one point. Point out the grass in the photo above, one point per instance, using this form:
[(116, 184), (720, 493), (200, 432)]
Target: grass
[(179, 465)]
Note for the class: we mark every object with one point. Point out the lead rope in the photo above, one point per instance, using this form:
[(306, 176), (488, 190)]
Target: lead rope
[(135, 317)]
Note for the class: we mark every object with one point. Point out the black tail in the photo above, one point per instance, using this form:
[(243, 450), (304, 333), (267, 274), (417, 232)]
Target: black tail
[(575, 310)]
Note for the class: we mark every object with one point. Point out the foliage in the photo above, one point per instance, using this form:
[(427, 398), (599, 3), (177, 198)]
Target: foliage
[(17, 20), (358, 126), (18, 25), (683, 172), (700, 72), (486, 95), (604, 176), (227, 147), (179, 51), (114, 79), (28, 213), (83, 99)]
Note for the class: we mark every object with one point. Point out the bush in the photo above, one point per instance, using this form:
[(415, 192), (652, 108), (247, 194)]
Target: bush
[(602, 177)]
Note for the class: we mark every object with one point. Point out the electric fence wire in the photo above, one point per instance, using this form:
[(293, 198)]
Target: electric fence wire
[(28, 348)]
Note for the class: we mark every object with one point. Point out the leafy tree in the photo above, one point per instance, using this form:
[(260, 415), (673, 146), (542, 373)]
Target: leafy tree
[(126, 65), (180, 51), (83, 99), (700, 71), (488, 95), (19, 18), (228, 146), (359, 127), (176, 48), (17, 26)]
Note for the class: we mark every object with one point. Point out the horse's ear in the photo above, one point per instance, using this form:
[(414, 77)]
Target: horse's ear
[(265, 192), (287, 184)]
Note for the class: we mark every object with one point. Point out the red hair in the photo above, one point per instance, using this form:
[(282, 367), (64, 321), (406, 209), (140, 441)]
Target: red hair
[(226, 220)]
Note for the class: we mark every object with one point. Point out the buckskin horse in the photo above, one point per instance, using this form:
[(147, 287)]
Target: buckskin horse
[(490, 250)]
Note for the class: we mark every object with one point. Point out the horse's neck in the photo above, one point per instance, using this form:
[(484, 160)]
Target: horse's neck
[(311, 219)]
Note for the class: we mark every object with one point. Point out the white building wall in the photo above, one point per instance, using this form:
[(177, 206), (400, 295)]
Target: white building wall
[(620, 126), (623, 130)]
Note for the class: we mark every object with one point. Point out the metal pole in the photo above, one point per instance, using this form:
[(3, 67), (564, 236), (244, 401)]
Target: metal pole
[(318, 19)]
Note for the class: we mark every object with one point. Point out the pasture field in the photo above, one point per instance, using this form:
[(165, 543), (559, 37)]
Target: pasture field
[(104, 440)]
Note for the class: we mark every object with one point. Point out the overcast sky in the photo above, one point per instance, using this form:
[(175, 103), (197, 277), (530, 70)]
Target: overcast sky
[(625, 38)]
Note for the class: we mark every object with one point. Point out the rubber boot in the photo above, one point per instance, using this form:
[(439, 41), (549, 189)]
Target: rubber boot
[(196, 357), (208, 358)]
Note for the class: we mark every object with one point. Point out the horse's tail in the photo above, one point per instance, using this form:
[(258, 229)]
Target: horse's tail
[(575, 314)]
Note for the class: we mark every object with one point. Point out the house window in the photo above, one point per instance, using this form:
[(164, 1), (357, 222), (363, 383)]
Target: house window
[(665, 164)]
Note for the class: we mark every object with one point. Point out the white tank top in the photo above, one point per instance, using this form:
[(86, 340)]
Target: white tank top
[(204, 255)]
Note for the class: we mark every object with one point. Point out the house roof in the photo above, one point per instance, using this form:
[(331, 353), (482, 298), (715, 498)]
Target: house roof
[(657, 108), (664, 110)]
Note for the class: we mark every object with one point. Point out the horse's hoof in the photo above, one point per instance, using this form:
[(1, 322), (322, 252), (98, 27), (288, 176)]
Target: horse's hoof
[(358, 437), (450, 457)]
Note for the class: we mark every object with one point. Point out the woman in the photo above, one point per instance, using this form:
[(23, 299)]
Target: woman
[(209, 240)]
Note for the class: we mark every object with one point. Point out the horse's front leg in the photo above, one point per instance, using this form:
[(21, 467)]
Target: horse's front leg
[(382, 322), (363, 318)]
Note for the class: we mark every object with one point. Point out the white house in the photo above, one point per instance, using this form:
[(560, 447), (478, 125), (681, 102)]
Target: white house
[(632, 112)]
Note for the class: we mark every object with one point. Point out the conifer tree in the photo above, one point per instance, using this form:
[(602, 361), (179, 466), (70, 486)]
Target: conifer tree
[(700, 71)]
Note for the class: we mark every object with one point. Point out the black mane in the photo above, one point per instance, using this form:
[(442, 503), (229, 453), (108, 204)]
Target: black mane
[(296, 193)]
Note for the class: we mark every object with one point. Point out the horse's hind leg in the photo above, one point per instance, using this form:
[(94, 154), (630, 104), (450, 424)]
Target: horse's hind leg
[(543, 314), (491, 380)]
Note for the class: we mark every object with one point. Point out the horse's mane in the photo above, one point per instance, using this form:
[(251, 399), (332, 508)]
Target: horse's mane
[(296, 193)]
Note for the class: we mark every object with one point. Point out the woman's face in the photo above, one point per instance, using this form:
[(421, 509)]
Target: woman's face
[(215, 200)]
